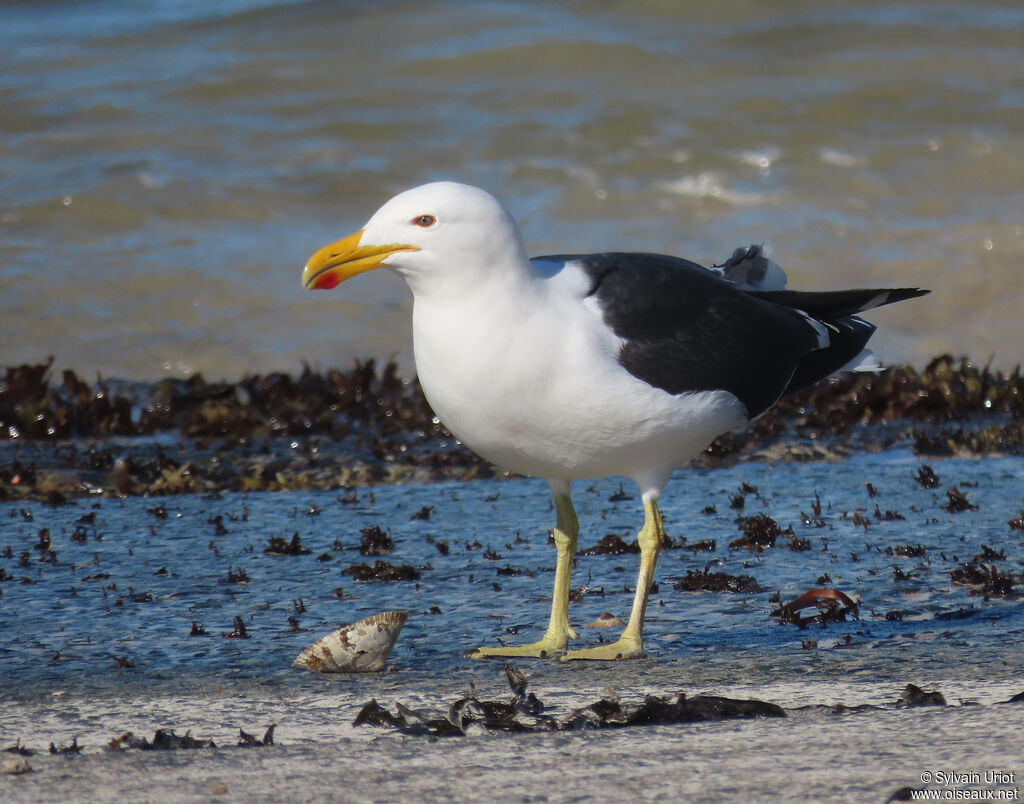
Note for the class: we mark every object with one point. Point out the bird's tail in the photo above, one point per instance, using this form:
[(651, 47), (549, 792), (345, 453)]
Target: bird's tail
[(832, 304)]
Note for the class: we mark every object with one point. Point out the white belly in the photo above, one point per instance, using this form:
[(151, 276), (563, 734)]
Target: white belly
[(545, 396)]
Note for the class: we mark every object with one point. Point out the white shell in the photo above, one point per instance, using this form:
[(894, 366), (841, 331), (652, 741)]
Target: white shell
[(14, 765), (361, 647), (606, 620)]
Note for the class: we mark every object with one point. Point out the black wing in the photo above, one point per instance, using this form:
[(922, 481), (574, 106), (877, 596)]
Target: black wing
[(686, 329)]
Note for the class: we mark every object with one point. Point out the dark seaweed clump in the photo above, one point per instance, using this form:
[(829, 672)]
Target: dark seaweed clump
[(278, 546), (611, 545), (375, 542), (705, 581), (246, 740), (913, 696), (163, 740), (319, 430), (759, 531), (167, 740), (336, 429), (525, 712), (984, 579), (333, 403), (382, 571)]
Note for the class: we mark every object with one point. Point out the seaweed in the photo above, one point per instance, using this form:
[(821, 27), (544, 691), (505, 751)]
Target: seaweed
[(913, 696), (239, 631), (375, 542), (525, 712), (958, 503), (759, 531), (163, 740), (246, 740), (279, 547), (73, 748), (926, 477), (984, 580), (382, 571), (610, 545), (337, 428), (716, 582)]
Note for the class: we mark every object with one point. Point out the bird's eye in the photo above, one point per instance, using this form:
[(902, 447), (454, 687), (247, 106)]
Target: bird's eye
[(424, 221)]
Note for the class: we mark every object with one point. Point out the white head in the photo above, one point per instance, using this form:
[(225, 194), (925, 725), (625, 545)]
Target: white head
[(431, 235)]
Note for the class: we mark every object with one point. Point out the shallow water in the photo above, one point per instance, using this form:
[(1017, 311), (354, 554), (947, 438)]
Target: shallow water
[(166, 168), (965, 646)]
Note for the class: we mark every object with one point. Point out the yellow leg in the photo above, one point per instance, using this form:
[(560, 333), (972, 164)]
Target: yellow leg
[(631, 644), (556, 639)]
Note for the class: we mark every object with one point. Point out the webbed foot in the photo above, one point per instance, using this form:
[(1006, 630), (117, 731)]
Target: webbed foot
[(537, 650), (623, 648)]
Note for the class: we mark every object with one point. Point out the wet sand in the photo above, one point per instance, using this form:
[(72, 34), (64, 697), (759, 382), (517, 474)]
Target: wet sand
[(812, 755)]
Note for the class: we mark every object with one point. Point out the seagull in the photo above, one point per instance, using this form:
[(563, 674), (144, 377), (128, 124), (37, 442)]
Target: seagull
[(578, 366)]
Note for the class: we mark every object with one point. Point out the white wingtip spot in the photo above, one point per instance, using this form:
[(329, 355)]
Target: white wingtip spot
[(865, 360)]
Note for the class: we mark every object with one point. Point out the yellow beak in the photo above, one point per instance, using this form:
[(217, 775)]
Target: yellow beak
[(344, 259)]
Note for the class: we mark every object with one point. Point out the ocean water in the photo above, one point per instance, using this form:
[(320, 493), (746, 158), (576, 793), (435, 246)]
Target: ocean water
[(167, 167), (132, 588)]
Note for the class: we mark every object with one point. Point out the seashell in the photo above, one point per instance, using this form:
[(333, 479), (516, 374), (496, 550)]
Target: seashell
[(15, 765), (361, 647), (606, 620)]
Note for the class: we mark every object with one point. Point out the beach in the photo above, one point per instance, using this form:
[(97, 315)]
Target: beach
[(130, 560)]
